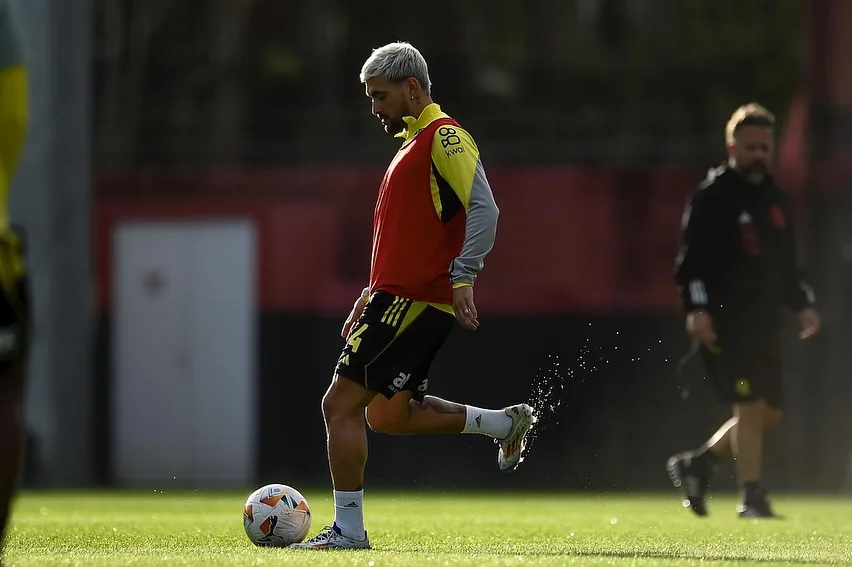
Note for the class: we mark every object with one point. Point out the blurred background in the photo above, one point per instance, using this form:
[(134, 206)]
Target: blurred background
[(198, 189)]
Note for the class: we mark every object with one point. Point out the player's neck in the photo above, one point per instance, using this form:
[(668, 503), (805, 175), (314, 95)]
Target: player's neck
[(755, 179), (419, 104), (732, 164)]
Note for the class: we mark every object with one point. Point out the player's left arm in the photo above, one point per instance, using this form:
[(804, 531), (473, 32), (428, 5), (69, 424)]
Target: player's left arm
[(798, 293), (457, 167)]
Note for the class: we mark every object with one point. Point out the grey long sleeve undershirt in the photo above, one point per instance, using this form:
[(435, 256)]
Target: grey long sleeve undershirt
[(480, 230)]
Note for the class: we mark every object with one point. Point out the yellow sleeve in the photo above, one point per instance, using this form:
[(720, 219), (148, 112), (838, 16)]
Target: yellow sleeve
[(13, 118), (460, 186), (455, 157)]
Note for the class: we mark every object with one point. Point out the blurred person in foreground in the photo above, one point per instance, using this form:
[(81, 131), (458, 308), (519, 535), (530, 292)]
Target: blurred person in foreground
[(434, 223), (13, 304), (737, 270)]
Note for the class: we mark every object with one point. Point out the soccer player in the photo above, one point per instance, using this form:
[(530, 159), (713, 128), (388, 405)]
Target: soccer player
[(737, 270), (13, 305), (434, 223)]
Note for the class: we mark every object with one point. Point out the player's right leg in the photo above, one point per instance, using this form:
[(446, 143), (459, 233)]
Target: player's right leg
[(11, 438), (692, 471), (403, 415), (13, 349), (405, 409)]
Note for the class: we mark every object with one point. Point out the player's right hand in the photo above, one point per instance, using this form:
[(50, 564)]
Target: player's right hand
[(699, 326), (354, 315)]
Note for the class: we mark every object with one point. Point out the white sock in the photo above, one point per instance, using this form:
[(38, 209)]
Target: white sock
[(349, 513), (494, 423)]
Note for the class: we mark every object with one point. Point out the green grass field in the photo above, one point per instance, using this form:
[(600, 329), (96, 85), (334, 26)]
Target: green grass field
[(113, 529)]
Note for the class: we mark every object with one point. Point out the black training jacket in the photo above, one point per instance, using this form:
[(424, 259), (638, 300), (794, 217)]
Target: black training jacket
[(738, 255)]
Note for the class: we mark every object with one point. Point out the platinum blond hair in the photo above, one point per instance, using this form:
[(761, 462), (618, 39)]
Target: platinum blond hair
[(396, 62)]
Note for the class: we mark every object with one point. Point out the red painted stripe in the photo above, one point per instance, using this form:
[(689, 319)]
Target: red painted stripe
[(566, 240)]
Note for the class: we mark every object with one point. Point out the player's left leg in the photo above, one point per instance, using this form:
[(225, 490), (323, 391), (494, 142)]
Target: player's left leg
[(754, 420), (343, 410), (351, 390)]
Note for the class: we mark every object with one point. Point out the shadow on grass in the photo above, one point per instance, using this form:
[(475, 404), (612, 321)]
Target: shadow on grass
[(613, 554)]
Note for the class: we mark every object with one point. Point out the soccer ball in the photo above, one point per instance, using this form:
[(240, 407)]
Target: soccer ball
[(276, 515)]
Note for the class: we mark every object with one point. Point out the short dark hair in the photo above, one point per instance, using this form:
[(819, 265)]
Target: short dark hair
[(751, 114)]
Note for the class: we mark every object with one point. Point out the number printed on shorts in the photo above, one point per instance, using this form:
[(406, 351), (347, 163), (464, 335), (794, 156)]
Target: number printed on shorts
[(355, 339)]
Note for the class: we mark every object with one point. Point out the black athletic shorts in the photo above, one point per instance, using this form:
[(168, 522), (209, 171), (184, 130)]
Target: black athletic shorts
[(14, 300), (393, 343), (745, 371)]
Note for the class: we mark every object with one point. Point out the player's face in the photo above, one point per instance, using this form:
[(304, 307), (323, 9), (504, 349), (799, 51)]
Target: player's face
[(389, 103), (752, 151)]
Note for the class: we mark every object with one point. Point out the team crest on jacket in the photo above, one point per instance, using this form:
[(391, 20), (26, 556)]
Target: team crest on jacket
[(748, 235), (776, 215)]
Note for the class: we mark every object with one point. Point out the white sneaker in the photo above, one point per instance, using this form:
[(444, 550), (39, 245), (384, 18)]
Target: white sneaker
[(331, 538), (511, 451)]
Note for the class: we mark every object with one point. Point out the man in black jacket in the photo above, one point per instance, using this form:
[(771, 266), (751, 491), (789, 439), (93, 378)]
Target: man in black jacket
[(737, 270)]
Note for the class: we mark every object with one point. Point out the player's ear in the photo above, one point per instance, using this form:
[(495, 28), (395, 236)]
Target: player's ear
[(412, 86), (730, 146)]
